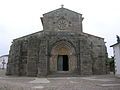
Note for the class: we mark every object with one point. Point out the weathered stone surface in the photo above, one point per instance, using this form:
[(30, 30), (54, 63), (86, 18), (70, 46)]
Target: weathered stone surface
[(37, 54)]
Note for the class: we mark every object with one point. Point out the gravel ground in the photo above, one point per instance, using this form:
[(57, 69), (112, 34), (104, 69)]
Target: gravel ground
[(98, 82)]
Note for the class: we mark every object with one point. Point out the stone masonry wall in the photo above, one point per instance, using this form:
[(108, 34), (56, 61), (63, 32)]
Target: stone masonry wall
[(73, 19), (33, 56)]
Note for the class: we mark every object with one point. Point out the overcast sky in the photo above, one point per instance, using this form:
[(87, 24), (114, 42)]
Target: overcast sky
[(22, 17)]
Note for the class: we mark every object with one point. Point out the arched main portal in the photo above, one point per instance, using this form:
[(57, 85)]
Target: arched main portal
[(63, 57)]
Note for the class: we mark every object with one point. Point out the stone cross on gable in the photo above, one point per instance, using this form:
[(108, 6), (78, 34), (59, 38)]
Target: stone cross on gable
[(3, 63), (62, 6)]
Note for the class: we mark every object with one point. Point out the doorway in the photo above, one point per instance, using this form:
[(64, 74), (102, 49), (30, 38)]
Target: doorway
[(62, 63)]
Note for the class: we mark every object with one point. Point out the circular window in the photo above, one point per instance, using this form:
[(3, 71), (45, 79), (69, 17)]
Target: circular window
[(62, 24)]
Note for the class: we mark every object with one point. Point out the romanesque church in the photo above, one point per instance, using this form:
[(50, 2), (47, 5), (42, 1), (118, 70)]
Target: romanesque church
[(60, 48)]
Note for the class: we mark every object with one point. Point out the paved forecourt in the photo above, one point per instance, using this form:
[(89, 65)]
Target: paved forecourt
[(100, 82)]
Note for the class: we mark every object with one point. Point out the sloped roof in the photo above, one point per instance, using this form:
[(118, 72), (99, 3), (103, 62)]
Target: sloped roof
[(29, 35), (60, 9), (93, 35), (114, 44)]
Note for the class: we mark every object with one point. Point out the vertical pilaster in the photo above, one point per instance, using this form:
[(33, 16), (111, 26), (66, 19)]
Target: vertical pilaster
[(32, 59), (43, 59)]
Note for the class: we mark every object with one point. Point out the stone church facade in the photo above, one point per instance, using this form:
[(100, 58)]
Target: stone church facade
[(61, 47)]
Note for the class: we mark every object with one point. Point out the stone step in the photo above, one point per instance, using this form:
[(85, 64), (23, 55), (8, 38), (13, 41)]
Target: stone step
[(63, 75)]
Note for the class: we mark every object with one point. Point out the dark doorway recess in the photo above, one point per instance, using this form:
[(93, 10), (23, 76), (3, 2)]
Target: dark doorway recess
[(63, 63)]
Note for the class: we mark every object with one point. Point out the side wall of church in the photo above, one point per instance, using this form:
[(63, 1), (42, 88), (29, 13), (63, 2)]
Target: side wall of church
[(85, 56), (28, 57), (93, 55), (13, 66), (98, 55)]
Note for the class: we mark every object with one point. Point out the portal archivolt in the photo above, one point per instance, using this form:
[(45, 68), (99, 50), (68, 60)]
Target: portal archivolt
[(63, 57)]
